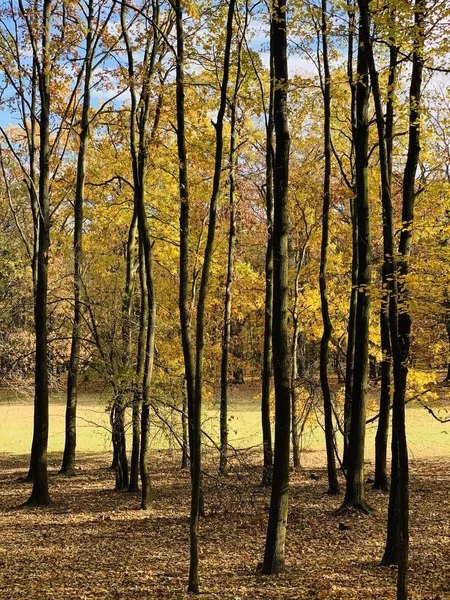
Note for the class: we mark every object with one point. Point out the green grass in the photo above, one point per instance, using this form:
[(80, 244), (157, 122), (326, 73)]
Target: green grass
[(426, 436)]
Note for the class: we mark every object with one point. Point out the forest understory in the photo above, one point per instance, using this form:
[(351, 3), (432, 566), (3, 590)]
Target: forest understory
[(93, 542)]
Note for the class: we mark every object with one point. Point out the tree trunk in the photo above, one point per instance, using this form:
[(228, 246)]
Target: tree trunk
[(399, 499), (267, 352), (184, 427), (276, 529), (226, 338), (68, 462), (139, 142), (34, 202), (140, 366), (40, 494), (193, 585), (333, 485), (355, 490), (350, 355), (381, 479)]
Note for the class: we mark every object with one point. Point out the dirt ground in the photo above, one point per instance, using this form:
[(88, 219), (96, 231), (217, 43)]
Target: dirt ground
[(94, 543)]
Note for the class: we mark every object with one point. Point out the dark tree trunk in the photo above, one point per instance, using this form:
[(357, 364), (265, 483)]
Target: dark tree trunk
[(398, 532), (68, 462), (40, 494), (350, 355), (184, 427), (139, 146), (34, 202), (333, 485), (267, 352), (278, 514), (119, 443), (381, 478), (140, 365), (226, 337), (184, 303), (183, 178), (381, 481), (193, 585), (355, 490)]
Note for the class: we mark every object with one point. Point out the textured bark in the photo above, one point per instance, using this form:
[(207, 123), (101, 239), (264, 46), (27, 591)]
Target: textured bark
[(267, 351), (333, 485), (40, 493), (278, 514), (355, 490)]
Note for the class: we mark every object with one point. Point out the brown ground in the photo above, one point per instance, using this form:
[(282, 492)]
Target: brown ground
[(94, 543)]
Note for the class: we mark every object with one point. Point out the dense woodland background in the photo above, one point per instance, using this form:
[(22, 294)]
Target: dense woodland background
[(230, 202)]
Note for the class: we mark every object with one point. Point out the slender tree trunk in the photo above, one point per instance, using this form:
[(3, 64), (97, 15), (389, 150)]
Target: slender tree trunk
[(295, 433), (226, 338), (333, 484), (149, 359), (355, 490), (381, 478), (278, 514), (139, 142), (295, 417), (267, 351), (350, 355), (140, 366), (183, 178), (398, 531), (68, 462), (40, 494), (184, 427), (193, 585)]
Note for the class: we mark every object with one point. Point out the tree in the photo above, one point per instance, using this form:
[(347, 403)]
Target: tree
[(355, 486), (276, 529), (333, 485), (193, 585)]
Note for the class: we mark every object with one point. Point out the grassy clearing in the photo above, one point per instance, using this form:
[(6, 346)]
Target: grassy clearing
[(426, 436)]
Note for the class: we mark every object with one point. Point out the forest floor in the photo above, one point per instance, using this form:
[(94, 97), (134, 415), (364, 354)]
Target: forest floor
[(93, 542)]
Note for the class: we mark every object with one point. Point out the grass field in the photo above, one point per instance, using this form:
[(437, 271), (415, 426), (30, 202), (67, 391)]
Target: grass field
[(426, 436)]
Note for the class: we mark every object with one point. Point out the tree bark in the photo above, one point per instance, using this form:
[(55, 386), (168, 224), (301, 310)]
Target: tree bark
[(276, 529)]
